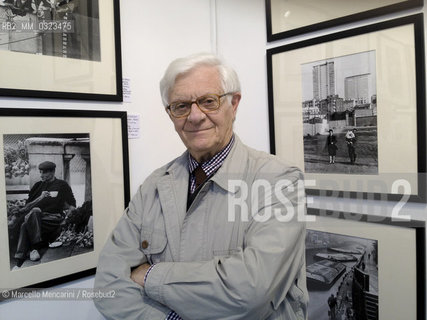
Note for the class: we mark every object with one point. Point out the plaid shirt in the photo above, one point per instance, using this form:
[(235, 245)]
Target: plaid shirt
[(210, 166), (173, 316)]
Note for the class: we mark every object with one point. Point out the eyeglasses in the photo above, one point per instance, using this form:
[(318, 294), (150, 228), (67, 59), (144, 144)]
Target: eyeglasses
[(207, 103)]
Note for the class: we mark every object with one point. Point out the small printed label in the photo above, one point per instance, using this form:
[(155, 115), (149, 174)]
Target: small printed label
[(126, 90), (133, 126)]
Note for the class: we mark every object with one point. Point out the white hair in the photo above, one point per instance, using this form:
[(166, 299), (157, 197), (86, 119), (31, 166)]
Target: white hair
[(229, 79)]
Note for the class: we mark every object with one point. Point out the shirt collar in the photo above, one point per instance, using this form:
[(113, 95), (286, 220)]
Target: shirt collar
[(214, 163)]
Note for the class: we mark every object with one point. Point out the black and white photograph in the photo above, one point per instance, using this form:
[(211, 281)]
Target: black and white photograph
[(67, 49), (65, 185), (342, 276), (287, 18), (339, 110), (49, 197), (61, 28)]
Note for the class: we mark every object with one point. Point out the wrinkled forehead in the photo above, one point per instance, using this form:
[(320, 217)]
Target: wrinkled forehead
[(198, 81), (198, 74)]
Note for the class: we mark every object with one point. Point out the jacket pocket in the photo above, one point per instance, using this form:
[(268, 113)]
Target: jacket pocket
[(298, 299), (153, 244)]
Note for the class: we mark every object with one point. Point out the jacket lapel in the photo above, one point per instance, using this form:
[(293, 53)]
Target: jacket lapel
[(233, 168), (173, 189)]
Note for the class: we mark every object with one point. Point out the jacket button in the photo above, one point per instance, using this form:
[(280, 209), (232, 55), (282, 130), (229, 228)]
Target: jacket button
[(144, 244)]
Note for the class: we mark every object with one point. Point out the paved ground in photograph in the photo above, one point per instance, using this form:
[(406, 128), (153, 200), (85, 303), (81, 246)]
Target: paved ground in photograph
[(51, 254), (320, 164)]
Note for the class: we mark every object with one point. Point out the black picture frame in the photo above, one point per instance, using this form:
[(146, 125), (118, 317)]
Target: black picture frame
[(285, 95), (108, 155), (82, 63), (394, 239), (299, 10)]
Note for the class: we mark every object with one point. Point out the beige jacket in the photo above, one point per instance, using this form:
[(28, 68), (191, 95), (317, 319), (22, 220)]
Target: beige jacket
[(208, 267)]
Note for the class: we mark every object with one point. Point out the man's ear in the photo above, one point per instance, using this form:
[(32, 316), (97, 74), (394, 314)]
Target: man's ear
[(235, 100)]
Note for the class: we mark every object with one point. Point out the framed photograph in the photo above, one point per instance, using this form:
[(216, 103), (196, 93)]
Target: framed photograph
[(364, 267), (287, 18), (61, 49), (65, 184), (342, 106)]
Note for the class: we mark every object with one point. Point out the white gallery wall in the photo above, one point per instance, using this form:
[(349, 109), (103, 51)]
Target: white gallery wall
[(153, 33)]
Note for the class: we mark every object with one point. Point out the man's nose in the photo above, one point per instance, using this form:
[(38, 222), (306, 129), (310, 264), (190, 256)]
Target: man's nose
[(196, 114)]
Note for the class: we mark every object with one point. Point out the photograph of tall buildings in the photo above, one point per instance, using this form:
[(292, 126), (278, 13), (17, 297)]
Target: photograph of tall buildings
[(339, 109)]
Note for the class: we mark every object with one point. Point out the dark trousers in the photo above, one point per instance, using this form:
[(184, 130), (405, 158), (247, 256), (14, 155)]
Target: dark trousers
[(351, 153), (38, 227)]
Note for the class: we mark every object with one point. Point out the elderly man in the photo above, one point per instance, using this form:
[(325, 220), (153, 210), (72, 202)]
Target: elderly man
[(351, 139), (213, 234), (43, 212)]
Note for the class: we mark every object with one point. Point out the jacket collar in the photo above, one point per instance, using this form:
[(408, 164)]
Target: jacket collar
[(233, 167)]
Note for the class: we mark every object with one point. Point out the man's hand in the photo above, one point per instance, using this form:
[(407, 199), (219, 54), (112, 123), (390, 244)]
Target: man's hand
[(44, 194), (14, 210), (138, 274), (27, 216)]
